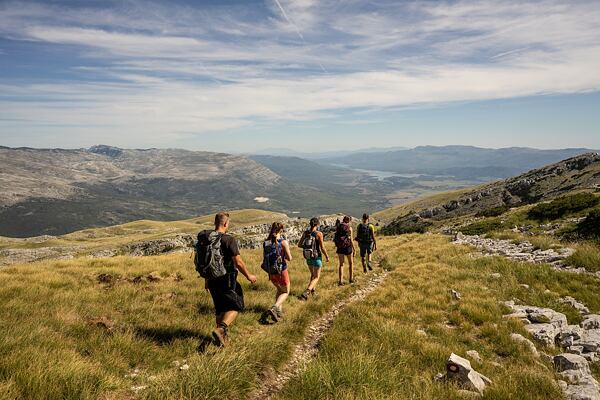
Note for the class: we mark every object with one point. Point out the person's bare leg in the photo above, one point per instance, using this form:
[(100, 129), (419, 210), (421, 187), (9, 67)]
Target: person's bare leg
[(282, 294), (351, 267), (364, 263), (341, 268), (315, 274), (229, 317)]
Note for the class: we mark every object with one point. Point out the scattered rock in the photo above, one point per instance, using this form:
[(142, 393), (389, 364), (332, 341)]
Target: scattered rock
[(578, 382), (474, 355), (583, 310), (523, 251), (524, 286), (421, 332), (496, 275), (518, 338), (184, 367), (153, 277), (459, 370), (455, 294)]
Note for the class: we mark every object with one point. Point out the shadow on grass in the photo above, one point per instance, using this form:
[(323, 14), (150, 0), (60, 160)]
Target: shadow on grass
[(164, 336)]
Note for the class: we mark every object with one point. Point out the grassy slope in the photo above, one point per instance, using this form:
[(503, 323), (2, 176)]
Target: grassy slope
[(384, 357), (49, 349)]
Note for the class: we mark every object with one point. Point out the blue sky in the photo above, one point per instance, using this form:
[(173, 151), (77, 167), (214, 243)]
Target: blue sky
[(233, 75)]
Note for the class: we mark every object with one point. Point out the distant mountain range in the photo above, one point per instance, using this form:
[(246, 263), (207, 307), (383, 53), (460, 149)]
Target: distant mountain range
[(319, 155), (56, 191), (465, 162)]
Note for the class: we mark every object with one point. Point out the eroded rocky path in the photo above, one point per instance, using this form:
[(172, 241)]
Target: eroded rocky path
[(308, 349)]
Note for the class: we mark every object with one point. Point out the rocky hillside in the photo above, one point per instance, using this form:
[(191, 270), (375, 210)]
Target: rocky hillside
[(577, 173), (55, 191)]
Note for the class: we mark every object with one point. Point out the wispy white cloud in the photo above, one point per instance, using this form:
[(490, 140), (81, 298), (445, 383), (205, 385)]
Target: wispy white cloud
[(167, 70)]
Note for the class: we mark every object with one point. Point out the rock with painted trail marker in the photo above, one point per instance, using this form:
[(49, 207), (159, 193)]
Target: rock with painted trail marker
[(459, 370)]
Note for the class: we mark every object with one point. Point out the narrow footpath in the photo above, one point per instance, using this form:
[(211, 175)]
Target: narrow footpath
[(306, 351)]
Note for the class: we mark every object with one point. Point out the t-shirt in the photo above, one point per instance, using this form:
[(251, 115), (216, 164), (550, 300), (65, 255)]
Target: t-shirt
[(229, 248)]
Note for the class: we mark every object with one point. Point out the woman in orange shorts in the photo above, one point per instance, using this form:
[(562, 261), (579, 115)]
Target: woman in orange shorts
[(281, 281)]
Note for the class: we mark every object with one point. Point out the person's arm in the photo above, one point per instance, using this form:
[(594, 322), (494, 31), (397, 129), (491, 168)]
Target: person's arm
[(239, 264), (322, 246), (286, 248), (301, 241)]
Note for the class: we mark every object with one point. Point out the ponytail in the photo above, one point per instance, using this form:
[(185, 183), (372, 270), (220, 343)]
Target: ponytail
[(275, 229)]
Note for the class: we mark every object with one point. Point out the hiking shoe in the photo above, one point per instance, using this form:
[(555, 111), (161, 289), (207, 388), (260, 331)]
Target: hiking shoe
[(365, 269), (313, 292), (220, 336), (340, 283), (305, 294), (370, 268), (352, 281), (264, 318), (274, 314)]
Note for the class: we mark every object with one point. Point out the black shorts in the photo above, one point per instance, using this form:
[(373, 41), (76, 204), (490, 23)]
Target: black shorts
[(345, 251), (227, 294), (366, 248)]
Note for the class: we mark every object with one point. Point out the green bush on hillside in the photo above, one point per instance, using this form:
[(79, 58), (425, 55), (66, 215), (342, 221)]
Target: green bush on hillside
[(562, 206), (493, 212), (590, 226), (400, 227), (481, 227)]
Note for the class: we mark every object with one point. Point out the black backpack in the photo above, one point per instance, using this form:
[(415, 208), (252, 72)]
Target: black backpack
[(208, 257), (272, 259), (364, 234), (309, 246)]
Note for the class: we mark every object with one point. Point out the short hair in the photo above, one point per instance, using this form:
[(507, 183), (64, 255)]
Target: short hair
[(346, 219), (221, 219), (365, 216)]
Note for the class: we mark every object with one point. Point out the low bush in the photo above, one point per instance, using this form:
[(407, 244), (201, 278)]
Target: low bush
[(493, 212), (562, 206), (590, 226), (481, 227)]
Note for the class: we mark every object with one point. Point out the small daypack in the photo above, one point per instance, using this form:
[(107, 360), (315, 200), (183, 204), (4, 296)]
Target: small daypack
[(342, 238), (272, 259), (309, 246), (208, 257), (364, 233)]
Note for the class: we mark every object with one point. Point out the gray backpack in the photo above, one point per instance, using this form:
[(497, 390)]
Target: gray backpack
[(208, 256)]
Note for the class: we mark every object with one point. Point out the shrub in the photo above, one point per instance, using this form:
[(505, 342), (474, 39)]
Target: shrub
[(562, 206), (481, 227), (401, 226), (590, 226), (493, 212)]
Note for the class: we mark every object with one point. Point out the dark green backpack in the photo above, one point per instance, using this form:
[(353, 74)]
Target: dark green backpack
[(364, 233)]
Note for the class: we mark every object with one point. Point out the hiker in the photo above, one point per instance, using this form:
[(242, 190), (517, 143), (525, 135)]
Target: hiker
[(313, 249), (345, 249), (218, 261), (276, 253), (365, 236)]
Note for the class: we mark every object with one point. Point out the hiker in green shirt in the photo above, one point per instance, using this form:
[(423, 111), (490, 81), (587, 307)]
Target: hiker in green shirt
[(365, 236)]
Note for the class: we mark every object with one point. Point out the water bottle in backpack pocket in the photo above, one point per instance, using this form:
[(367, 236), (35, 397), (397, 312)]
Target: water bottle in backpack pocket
[(272, 260)]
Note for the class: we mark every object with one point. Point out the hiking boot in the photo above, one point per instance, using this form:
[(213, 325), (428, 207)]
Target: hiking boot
[(220, 336), (370, 268), (313, 292), (274, 313), (305, 294), (365, 270)]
